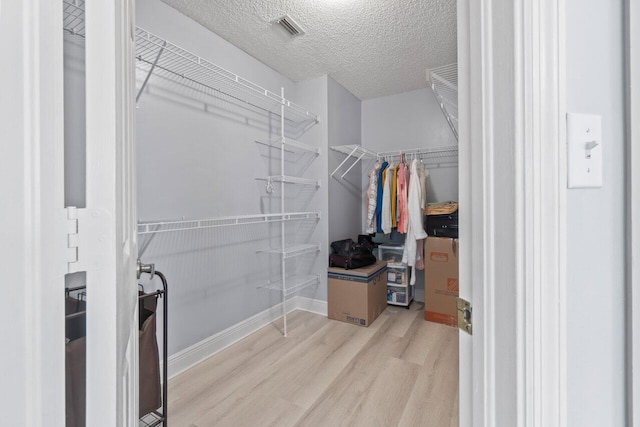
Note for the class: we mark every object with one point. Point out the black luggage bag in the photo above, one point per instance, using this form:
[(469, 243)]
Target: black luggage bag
[(349, 254), (442, 220)]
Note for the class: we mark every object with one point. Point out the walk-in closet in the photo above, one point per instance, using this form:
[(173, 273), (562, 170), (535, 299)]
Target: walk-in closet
[(259, 137)]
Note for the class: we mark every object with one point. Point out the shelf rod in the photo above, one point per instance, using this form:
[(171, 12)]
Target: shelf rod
[(354, 163), (345, 160), (153, 66)]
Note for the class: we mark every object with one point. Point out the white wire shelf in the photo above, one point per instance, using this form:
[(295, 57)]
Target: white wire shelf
[(431, 156), (73, 17), (294, 283), (160, 54), (291, 145), (157, 55), (444, 84), (223, 221), (294, 251), (291, 180)]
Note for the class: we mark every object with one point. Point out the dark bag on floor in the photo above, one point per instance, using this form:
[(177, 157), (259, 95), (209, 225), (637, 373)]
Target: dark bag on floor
[(75, 363), (355, 260), (442, 220), (348, 254), (149, 361)]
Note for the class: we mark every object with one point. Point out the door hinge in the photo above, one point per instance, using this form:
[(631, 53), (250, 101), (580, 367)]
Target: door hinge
[(464, 315), (89, 238)]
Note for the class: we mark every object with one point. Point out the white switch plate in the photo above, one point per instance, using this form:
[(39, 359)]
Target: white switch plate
[(584, 145)]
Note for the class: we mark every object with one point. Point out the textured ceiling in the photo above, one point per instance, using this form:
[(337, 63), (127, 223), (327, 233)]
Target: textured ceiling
[(371, 47)]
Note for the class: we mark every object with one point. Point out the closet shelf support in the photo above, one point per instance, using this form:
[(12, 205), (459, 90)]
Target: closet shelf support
[(153, 66)]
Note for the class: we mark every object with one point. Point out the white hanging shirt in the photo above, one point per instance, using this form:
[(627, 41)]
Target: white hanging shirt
[(415, 230)]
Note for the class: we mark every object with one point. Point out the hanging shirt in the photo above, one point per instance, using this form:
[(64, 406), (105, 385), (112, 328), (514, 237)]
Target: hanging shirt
[(415, 229), (423, 173), (386, 200), (372, 195), (383, 168), (394, 197), (402, 199)]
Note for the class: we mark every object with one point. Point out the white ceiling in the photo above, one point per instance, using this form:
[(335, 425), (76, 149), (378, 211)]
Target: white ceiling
[(371, 47)]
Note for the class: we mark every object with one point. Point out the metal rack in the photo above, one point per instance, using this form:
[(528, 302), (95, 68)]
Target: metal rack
[(432, 156), (222, 221), (444, 84), (287, 285), (157, 55), (159, 415)]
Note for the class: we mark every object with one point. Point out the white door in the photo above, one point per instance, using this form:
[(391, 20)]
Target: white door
[(512, 193), (112, 329)]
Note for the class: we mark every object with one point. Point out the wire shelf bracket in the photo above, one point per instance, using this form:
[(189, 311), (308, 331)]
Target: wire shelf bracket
[(444, 84)]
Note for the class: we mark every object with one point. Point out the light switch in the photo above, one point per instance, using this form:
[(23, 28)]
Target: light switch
[(584, 145)]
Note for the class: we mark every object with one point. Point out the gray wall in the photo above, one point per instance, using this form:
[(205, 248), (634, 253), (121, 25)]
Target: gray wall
[(197, 158), (595, 221), (345, 194)]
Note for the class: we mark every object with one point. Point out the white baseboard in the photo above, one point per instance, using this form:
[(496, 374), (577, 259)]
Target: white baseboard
[(206, 348), (312, 305)]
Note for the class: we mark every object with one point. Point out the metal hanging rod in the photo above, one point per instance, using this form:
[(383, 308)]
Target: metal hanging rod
[(224, 221), (434, 156)]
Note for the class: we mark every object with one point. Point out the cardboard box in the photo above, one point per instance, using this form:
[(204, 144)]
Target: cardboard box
[(441, 280), (357, 296)]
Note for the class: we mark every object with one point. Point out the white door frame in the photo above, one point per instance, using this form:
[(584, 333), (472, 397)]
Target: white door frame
[(632, 155), (512, 198), (111, 253), (32, 222), (512, 183)]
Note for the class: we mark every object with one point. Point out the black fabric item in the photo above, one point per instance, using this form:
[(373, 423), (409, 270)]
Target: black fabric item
[(75, 363), (353, 260), (75, 385), (75, 327), (349, 254), (366, 240), (149, 366), (442, 225), (343, 247)]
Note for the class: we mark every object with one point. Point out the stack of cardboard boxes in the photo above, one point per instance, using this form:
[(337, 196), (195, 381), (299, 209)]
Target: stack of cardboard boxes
[(359, 296)]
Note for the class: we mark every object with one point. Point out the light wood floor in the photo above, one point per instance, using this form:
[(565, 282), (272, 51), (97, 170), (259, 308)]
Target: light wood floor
[(400, 371)]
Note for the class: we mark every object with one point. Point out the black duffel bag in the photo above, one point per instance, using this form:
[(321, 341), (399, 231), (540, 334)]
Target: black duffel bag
[(348, 254)]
